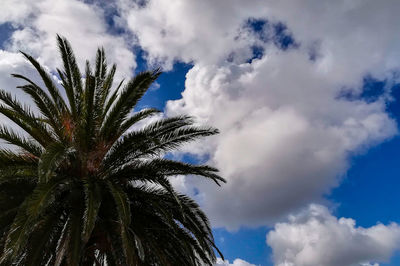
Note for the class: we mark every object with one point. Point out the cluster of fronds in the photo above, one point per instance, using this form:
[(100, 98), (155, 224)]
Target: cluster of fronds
[(81, 189)]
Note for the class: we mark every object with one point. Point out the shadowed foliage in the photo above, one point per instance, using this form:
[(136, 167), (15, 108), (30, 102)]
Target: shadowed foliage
[(81, 187)]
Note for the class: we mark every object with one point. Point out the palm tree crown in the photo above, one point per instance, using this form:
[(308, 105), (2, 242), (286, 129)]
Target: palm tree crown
[(83, 188)]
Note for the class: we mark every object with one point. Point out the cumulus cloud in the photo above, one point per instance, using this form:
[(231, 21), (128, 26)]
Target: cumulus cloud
[(11, 62), (209, 32), (341, 33), (286, 132), (236, 262), (9, 12), (37, 23), (190, 30), (283, 142), (315, 237)]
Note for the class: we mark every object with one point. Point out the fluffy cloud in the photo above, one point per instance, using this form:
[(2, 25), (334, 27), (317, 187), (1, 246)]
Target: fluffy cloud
[(10, 13), (283, 142), (351, 38), (191, 30), (207, 32), (236, 262), (37, 23), (315, 237), (286, 134), (13, 63)]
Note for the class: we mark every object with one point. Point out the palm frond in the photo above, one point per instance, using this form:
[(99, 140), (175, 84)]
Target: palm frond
[(41, 99), (104, 91), (151, 169), (111, 100), (122, 204), (88, 107), (55, 153), (142, 114), (51, 87), (71, 77), (43, 240), (149, 144), (129, 96), (24, 118), (92, 206), (42, 196), (74, 251), (14, 138), (12, 160)]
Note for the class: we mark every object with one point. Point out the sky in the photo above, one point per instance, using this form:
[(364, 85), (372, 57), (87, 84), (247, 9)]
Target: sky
[(305, 95)]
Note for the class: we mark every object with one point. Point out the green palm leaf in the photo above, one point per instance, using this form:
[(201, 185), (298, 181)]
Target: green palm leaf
[(49, 161), (92, 207), (16, 139), (74, 251), (53, 90)]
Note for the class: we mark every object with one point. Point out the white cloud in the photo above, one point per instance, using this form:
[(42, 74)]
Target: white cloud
[(14, 11), (286, 135), (208, 32), (314, 237), (283, 142), (236, 262), (11, 63), (190, 30), (83, 24), (353, 37), (15, 63)]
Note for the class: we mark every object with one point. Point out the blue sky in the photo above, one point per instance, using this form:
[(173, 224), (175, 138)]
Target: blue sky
[(305, 94)]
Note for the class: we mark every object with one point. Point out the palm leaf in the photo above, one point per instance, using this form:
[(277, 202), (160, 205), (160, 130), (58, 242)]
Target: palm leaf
[(23, 224), (143, 114), (71, 77), (74, 250), (150, 169), (130, 95), (122, 204), (104, 92), (13, 138), (55, 153), (92, 206), (24, 118), (43, 240), (53, 90), (47, 108), (111, 100)]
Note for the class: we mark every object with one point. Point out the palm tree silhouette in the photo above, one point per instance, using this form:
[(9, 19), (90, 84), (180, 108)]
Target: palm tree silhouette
[(83, 188)]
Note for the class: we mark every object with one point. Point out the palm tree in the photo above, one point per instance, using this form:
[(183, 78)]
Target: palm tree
[(80, 187)]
